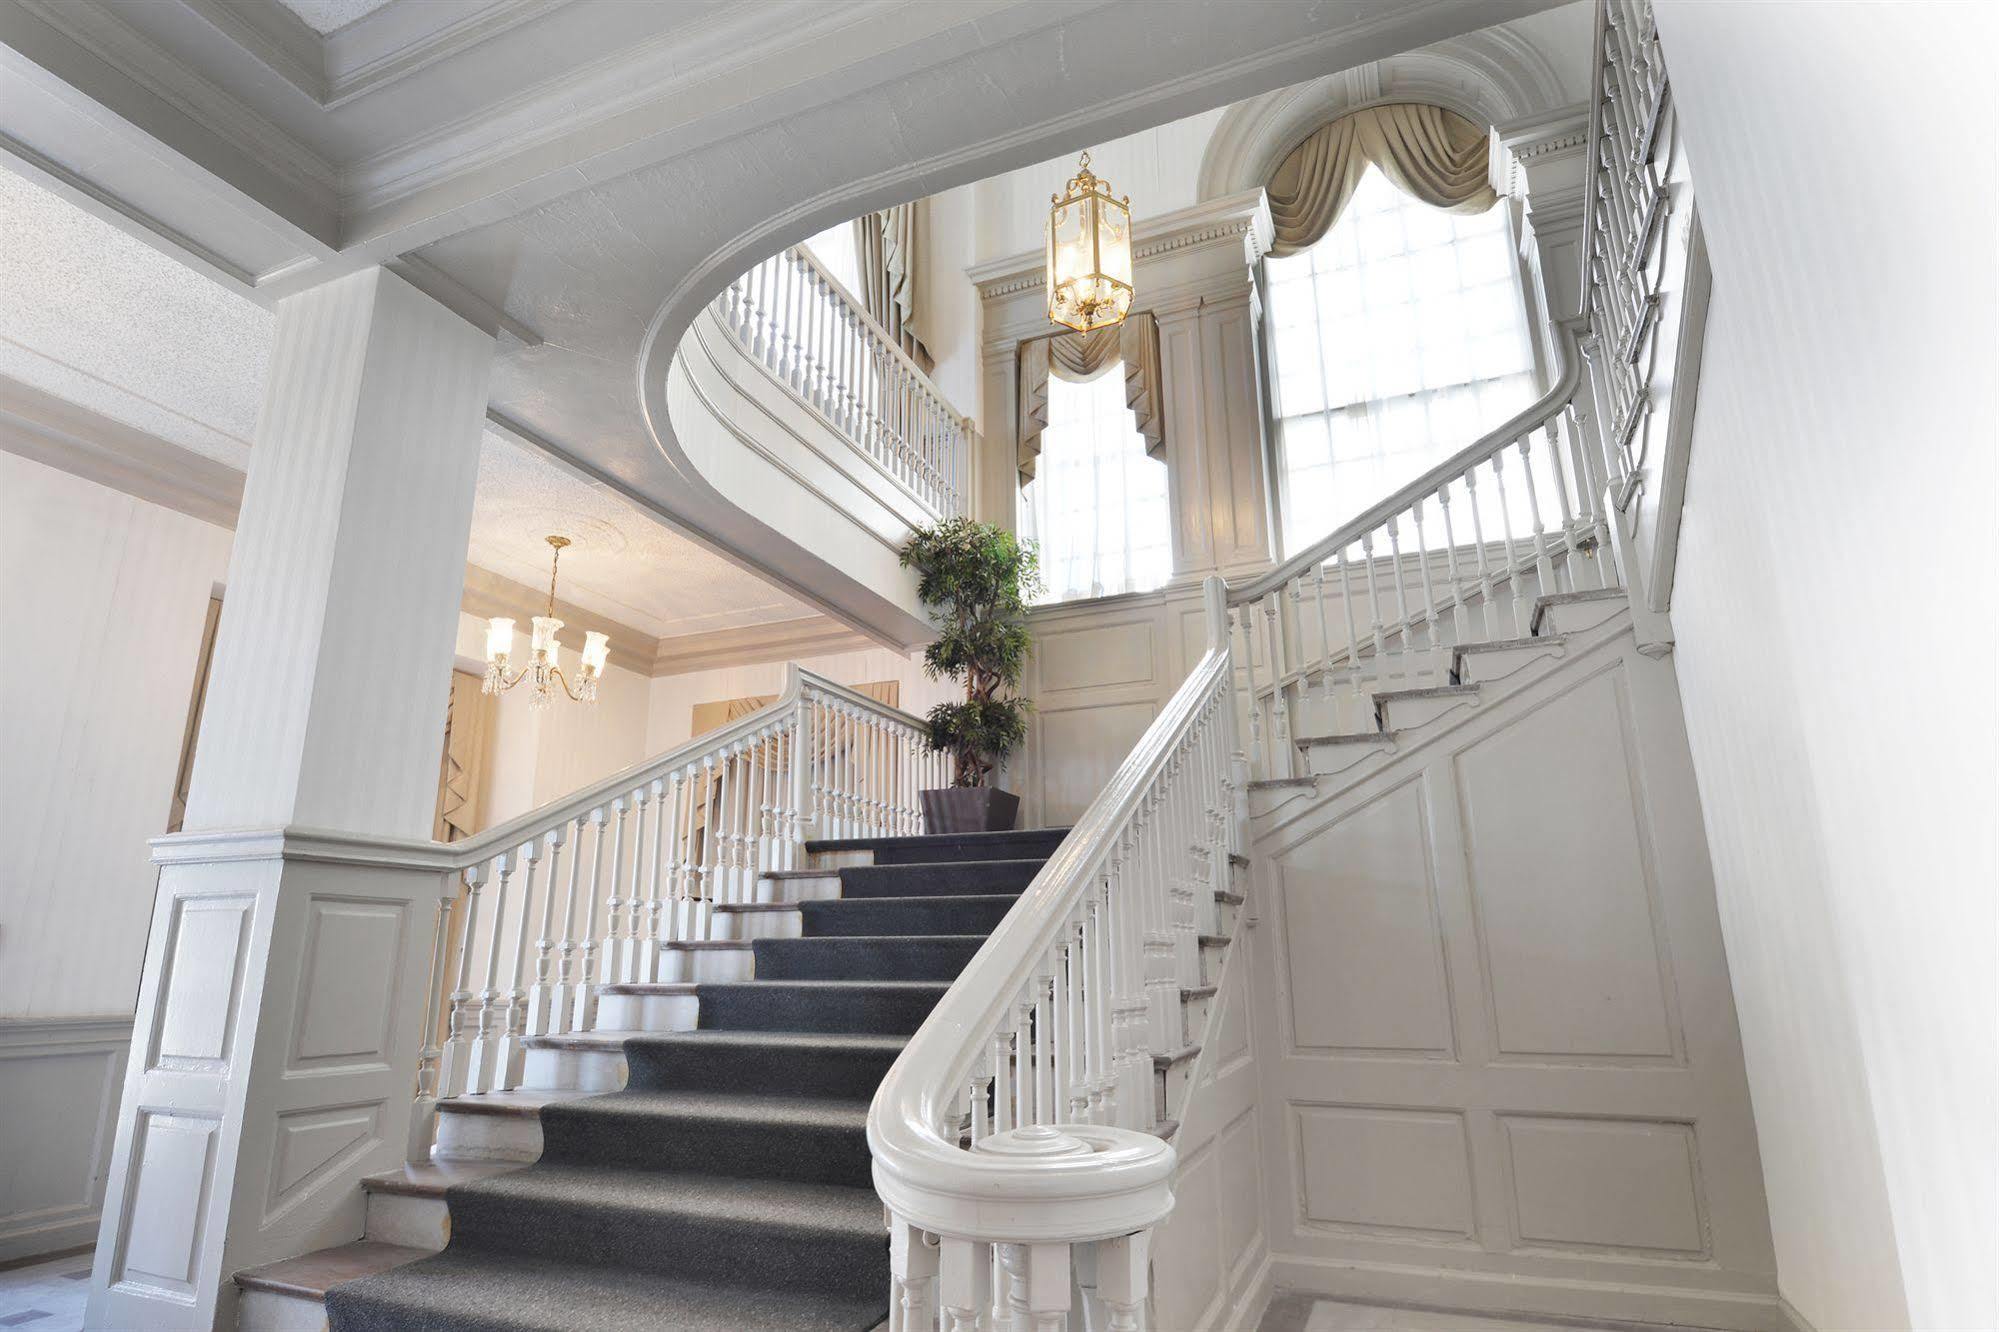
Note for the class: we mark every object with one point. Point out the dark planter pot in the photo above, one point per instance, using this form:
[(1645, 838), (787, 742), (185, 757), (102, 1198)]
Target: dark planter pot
[(963, 809)]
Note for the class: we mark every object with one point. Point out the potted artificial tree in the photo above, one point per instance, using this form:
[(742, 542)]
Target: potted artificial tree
[(975, 578)]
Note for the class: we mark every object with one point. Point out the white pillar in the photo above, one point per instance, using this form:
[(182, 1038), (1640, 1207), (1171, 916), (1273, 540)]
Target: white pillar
[(275, 1045), (1544, 161)]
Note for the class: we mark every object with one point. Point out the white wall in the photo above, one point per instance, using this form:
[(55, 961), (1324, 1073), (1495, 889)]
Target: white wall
[(102, 600), (101, 609), (671, 714), (1845, 434), (950, 314)]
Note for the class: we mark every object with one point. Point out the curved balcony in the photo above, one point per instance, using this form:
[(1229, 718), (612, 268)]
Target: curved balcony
[(801, 410)]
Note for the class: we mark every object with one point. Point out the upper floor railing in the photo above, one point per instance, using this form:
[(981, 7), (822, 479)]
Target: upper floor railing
[(594, 889), (814, 336)]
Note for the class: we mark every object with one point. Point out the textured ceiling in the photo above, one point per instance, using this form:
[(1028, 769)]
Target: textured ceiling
[(95, 317), (324, 16), (91, 315)]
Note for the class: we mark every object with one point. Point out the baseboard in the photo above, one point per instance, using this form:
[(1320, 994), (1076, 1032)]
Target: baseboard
[(1789, 1319), (60, 1079), (1248, 1310), (1504, 1295)]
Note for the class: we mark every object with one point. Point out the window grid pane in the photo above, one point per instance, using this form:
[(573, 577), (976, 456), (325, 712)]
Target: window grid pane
[(1396, 341), (1097, 504)]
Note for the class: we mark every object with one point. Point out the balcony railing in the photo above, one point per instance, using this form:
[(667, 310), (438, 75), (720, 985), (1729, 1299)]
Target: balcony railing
[(813, 336)]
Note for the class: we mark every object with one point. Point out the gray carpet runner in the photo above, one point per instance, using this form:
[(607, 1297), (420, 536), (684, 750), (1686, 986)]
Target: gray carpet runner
[(727, 1187)]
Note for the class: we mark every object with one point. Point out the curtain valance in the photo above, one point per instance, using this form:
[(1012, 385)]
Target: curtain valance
[(885, 248), (1435, 155), (1081, 357)]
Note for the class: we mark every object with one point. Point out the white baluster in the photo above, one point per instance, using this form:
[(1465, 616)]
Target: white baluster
[(492, 1016), (1486, 628), (567, 973), (541, 1019), (586, 970), (513, 1053), (1401, 601), (1516, 594), (1429, 596), (464, 1018)]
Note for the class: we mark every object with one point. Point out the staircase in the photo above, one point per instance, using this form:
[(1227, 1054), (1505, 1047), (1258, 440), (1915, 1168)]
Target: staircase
[(699, 1158)]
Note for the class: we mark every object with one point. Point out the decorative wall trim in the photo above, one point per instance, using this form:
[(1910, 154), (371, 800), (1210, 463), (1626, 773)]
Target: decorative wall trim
[(46, 429), (780, 640), (488, 594), (1241, 218), (59, 1084)]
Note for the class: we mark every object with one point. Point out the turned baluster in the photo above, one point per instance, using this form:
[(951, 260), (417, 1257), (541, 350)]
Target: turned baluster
[(492, 1016), (1374, 610), (430, 1055), (1515, 592), (1544, 567), (1485, 593), (586, 971), (1048, 1097), (513, 1053), (1346, 611), (965, 1285), (541, 1010), (614, 905), (1403, 628), (1429, 595), (1460, 622), (566, 965), (463, 1024)]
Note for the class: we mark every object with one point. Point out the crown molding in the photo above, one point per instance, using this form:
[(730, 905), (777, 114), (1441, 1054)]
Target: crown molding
[(1241, 219), (749, 645), (57, 433)]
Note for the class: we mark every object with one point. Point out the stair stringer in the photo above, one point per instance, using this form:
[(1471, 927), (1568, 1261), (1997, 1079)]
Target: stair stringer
[(1210, 1258), (1498, 1069)]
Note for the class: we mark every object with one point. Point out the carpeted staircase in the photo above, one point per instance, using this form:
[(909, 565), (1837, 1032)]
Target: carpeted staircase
[(727, 1185)]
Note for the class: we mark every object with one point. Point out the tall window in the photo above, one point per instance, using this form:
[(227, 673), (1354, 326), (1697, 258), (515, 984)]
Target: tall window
[(1395, 341), (1097, 504)]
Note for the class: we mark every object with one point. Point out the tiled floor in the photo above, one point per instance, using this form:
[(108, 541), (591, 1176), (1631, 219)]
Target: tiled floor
[(47, 1297), (1301, 1313)]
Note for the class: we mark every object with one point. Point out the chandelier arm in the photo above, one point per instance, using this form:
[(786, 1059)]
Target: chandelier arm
[(563, 680)]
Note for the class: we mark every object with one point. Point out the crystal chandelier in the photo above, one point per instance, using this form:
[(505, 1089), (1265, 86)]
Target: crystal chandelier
[(545, 670), (1089, 253)]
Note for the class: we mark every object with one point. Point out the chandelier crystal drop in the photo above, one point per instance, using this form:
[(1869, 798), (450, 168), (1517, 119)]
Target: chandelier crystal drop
[(1089, 253), (544, 668)]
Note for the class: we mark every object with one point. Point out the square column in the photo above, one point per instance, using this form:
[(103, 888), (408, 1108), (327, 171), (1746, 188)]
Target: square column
[(277, 1033)]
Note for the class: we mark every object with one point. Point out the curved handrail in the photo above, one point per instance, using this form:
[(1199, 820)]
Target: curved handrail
[(1543, 410), (1065, 1182)]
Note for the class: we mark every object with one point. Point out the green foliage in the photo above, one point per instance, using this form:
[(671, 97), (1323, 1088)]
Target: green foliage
[(976, 579)]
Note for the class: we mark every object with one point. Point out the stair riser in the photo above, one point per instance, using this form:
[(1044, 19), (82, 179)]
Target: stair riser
[(692, 1248), (851, 1074), (1404, 714), (956, 879), (1021, 844), (418, 1223), (1225, 917), (647, 1012), (1194, 1018), (888, 1014), (465, 1137), (863, 959), (1212, 957), (820, 888), (889, 916), (268, 1311), (1345, 713), (706, 964), (742, 1148), (1575, 617), (747, 925), (834, 861), (1486, 667), (1328, 760), (574, 1070)]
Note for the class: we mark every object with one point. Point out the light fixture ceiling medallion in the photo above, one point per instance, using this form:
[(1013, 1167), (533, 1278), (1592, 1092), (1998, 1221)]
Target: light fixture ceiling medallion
[(544, 672), (1089, 253)]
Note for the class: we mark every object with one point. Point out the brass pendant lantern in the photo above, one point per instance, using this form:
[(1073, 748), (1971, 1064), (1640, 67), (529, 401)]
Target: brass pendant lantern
[(1089, 254)]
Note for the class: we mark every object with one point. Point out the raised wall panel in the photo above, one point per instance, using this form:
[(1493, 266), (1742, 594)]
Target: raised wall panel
[(1242, 1200), (59, 1082), (310, 1143), (1228, 1031), (1187, 1270), (1385, 1169), (1363, 949), (1562, 883), (198, 1017), (345, 1008), (1605, 1183), (1096, 657), (162, 1235), (1078, 751)]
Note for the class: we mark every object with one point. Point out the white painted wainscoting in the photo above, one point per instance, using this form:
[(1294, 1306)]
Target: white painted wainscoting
[(59, 1081), (1498, 1050)]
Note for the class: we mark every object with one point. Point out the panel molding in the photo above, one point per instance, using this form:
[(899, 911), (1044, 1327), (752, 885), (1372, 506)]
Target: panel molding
[(64, 1138)]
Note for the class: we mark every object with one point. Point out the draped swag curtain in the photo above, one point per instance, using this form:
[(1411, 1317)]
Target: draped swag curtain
[(1434, 155), (885, 248), (1081, 357)]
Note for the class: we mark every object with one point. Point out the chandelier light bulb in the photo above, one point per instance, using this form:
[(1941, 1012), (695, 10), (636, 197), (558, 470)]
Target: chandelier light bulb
[(544, 667)]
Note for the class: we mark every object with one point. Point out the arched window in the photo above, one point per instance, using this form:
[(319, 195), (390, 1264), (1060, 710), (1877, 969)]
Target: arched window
[(1097, 504), (1396, 339)]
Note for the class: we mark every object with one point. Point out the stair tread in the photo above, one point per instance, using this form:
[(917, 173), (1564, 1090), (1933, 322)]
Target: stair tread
[(430, 1181), (1213, 940), (704, 945), (1508, 644), (1341, 738), (515, 1293), (1172, 1057), (602, 1039), (524, 1104), (913, 841), (1198, 991), (648, 987), (739, 908), (1580, 594), (310, 1274), (778, 1203), (1425, 691), (820, 873), (783, 1112), (1227, 898)]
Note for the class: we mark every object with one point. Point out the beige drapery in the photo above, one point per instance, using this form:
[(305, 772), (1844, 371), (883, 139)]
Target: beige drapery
[(886, 246), (1081, 357), (1425, 151)]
